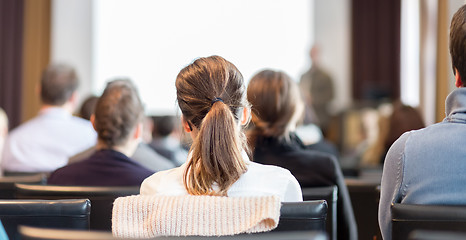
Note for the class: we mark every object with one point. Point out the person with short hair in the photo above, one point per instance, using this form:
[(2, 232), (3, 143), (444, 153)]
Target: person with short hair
[(117, 120), (45, 142), (164, 143), (276, 108), (428, 166), (211, 96)]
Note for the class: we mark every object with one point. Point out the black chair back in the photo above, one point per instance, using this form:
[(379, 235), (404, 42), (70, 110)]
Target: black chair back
[(436, 235), (102, 199), (32, 233), (365, 197), (69, 214), (299, 235), (302, 216), (407, 217), (329, 194), (7, 183)]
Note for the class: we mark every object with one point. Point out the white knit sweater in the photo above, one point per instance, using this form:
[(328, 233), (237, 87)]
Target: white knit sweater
[(151, 216)]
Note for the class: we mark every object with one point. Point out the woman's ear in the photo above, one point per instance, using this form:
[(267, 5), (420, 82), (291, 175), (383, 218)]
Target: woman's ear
[(245, 117), (92, 119), (185, 125)]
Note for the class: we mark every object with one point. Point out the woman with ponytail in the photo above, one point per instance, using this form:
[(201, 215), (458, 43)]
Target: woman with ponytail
[(276, 108), (211, 96)]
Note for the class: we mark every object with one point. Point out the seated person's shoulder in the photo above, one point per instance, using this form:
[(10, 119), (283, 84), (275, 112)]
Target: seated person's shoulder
[(62, 175), (168, 181), (257, 169)]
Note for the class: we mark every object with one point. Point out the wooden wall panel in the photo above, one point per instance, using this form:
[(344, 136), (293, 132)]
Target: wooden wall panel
[(36, 52)]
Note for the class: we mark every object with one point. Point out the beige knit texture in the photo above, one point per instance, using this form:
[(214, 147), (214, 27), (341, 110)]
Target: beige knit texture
[(151, 216)]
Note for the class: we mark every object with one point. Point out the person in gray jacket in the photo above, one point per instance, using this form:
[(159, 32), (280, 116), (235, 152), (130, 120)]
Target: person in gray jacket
[(428, 166)]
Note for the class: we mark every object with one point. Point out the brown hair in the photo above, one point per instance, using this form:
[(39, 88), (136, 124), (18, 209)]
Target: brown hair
[(276, 103), (458, 42), (58, 84), (88, 107), (210, 93), (403, 118), (117, 112)]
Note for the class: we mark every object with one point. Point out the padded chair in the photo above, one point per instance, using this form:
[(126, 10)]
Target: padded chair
[(407, 217), (101, 198), (436, 235), (329, 194), (32, 233), (69, 214), (300, 235), (302, 216), (7, 184), (365, 197)]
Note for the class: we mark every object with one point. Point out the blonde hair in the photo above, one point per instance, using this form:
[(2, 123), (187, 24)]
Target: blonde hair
[(211, 96)]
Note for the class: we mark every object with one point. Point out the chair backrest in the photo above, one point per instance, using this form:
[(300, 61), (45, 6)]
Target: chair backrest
[(329, 194), (69, 214), (365, 195), (32, 233), (101, 198), (407, 217), (302, 216), (7, 183), (436, 235), (299, 235)]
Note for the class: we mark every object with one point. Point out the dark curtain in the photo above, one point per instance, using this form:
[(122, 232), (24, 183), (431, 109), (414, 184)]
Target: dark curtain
[(376, 49), (11, 35)]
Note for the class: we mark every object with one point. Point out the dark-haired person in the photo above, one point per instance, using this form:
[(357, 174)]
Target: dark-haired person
[(211, 96), (276, 108), (117, 120), (164, 143), (143, 154), (87, 107), (45, 142), (428, 166)]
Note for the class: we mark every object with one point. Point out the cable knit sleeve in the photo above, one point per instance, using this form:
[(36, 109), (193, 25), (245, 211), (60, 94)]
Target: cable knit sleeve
[(392, 179)]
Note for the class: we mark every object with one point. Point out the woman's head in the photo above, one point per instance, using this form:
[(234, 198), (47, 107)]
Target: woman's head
[(117, 113), (211, 96), (276, 103)]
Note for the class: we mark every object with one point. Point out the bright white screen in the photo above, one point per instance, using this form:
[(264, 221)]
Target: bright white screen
[(150, 41)]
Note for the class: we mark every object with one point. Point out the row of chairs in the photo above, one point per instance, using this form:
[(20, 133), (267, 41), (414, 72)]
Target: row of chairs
[(31, 233), (363, 194), (75, 214), (30, 187)]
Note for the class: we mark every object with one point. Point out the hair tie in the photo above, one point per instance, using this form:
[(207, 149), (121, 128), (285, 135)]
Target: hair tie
[(216, 100)]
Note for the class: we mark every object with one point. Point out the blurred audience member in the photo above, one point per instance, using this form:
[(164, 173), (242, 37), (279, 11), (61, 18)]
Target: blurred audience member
[(118, 122), (164, 143), (148, 124), (45, 143), (274, 142), (88, 107), (391, 122), (144, 154), (403, 119), (3, 130), (317, 89)]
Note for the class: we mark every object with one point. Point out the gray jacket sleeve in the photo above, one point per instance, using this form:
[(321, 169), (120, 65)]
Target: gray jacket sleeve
[(392, 180)]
